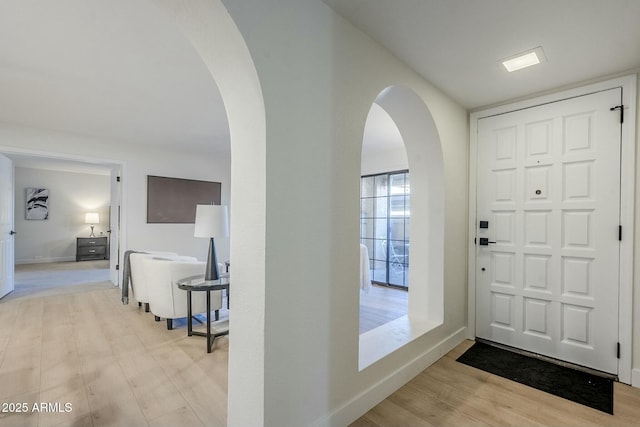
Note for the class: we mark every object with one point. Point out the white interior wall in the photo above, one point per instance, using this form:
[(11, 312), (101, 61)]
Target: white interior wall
[(139, 161), (318, 84), (71, 195), (311, 313), (383, 149), (384, 161), (324, 68)]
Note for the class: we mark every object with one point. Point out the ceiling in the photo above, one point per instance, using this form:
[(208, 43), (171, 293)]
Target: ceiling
[(457, 45), (117, 70)]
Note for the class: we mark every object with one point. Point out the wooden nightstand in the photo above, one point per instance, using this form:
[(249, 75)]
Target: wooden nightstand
[(88, 248)]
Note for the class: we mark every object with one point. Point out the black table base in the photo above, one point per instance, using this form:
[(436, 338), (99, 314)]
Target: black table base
[(190, 332), (197, 284)]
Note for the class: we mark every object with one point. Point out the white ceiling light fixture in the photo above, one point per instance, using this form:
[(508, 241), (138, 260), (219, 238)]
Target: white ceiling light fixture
[(524, 59)]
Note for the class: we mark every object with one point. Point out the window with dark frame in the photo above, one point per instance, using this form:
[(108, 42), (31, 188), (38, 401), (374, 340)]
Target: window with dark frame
[(384, 226)]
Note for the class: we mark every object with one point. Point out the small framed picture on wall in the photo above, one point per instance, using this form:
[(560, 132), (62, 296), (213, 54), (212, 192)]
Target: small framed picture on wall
[(37, 203)]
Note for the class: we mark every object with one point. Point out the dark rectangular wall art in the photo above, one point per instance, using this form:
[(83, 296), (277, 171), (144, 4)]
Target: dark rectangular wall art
[(174, 200), (37, 203)]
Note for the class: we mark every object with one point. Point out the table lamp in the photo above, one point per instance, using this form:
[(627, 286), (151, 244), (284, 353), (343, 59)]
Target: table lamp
[(212, 221), (92, 218)]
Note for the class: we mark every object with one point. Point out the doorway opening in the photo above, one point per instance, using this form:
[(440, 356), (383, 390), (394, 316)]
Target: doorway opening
[(45, 252), (579, 245), (548, 250)]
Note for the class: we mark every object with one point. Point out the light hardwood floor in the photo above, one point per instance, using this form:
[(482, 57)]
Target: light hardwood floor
[(381, 305), (112, 362), (449, 393), (118, 367)]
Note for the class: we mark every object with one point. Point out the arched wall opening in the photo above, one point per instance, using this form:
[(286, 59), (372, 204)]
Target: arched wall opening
[(385, 216), (214, 35), (209, 28), (426, 276)]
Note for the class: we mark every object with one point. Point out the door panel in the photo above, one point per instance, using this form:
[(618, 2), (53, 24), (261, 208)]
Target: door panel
[(114, 224), (549, 185), (6, 226)]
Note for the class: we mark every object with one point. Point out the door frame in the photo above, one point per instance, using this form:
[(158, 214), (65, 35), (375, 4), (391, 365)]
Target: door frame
[(9, 275), (110, 163), (627, 203)]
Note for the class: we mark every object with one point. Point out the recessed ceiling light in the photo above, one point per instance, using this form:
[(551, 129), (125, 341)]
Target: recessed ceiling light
[(524, 59)]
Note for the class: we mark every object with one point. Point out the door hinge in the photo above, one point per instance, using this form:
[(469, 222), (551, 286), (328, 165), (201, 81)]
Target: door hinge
[(117, 266), (621, 108), (620, 233), (618, 350), (117, 179)]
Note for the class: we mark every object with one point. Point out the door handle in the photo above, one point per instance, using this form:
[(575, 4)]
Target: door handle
[(485, 241), (12, 232)]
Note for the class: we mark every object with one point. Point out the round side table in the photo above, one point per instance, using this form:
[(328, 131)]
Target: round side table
[(198, 284)]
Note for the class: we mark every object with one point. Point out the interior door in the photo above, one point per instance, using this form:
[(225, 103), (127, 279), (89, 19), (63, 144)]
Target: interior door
[(114, 225), (548, 229), (6, 226)]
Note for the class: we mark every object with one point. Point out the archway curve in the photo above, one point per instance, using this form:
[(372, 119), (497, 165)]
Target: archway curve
[(209, 27), (426, 164), (426, 276)]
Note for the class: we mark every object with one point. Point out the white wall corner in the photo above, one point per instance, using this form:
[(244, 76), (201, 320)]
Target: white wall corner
[(635, 378), (375, 394)]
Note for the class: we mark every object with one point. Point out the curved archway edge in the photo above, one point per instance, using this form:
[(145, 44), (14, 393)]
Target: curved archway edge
[(426, 165), (211, 30)]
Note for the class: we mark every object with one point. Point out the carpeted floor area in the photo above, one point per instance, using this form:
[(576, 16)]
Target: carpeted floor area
[(580, 387), (45, 279)]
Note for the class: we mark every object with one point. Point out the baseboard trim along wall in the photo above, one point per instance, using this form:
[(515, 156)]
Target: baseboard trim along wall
[(635, 378), (377, 393), (45, 260)]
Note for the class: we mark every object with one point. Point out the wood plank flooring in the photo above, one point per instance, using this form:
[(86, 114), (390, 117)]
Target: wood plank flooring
[(381, 305), (113, 363), (118, 367), (449, 393)]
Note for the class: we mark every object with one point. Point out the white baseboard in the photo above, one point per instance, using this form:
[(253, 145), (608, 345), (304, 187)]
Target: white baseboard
[(635, 378), (44, 260), (375, 394)]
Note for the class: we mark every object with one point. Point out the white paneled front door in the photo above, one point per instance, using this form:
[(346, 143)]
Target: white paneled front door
[(548, 210), (6, 226)]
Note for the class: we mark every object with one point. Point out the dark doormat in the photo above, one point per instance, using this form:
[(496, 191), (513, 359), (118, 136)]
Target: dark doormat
[(581, 387)]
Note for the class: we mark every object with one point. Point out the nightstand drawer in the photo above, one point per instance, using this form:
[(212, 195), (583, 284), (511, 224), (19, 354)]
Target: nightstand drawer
[(92, 248), (92, 241)]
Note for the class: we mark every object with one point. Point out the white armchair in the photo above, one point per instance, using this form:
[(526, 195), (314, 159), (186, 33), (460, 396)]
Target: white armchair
[(139, 283), (166, 300)]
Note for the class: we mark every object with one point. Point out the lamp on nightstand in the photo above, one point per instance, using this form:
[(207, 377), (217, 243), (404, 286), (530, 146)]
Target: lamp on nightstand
[(92, 218), (212, 221)]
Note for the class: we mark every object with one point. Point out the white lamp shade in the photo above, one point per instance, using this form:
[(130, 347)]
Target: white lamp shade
[(92, 218), (211, 221)]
